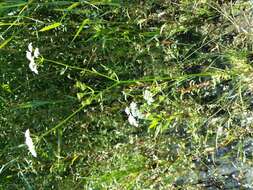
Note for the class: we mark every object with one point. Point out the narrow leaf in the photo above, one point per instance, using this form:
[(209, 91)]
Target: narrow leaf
[(5, 42), (7, 6), (85, 21), (12, 24), (74, 5), (154, 123), (37, 103), (50, 27)]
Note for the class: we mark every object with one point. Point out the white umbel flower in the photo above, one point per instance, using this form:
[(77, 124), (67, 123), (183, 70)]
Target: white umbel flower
[(30, 55), (132, 120), (148, 96), (133, 114), (36, 53), (30, 47), (29, 143), (135, 111), (33, 67)]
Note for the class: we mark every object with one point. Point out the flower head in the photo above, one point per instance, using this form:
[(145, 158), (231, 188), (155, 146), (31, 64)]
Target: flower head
[(29, 143), (148, 96), (135, 111), (30, 55), (133, 114), (132, 121)]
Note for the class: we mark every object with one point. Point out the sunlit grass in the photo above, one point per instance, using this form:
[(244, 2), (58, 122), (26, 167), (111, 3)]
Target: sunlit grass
[(186, 66)]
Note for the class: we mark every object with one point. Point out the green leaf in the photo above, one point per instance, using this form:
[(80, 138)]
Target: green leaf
[(5, 42), (74, 5), (50, 27), (154, 123), (6, 88), (85, 21), (11, 24), (37, 103), (7, 5)]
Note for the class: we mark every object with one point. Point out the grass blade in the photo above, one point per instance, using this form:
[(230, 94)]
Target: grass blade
[(5, 42), (85, 22), (50, 27)]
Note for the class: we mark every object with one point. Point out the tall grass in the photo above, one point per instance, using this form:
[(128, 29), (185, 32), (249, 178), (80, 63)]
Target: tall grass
[(96, 58)]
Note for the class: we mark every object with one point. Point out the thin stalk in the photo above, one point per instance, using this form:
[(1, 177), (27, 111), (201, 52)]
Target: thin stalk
[(80, 68)]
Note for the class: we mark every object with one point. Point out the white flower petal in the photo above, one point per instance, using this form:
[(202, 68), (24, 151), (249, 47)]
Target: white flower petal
[(127, 111), (29, 143), (148, 96), (139, 115), (132, 120), (33, 67), (30, 47), (133, 106), (134, 110), (36, 53), (29, 55), (11, 13)]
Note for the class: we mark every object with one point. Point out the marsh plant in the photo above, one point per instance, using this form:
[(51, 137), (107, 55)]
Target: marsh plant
[(115, 94)]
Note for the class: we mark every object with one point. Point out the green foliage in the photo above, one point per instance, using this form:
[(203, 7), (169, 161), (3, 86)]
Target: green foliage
[(97, 58)]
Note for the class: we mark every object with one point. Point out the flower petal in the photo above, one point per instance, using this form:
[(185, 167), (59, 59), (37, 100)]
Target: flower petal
[(33, 67), (134, 110), (127, 111), (148, 96), (30, 47), (36, 53), (29, 143), (132, 120), (29, 55)]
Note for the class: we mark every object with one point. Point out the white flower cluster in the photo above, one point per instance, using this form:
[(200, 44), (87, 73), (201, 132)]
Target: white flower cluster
[(29, 143), (133, 114), (30, 55), (148, 96)]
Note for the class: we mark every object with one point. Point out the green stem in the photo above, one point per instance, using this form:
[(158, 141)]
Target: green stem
[(81, 69), (117, 83), (75, 112)]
